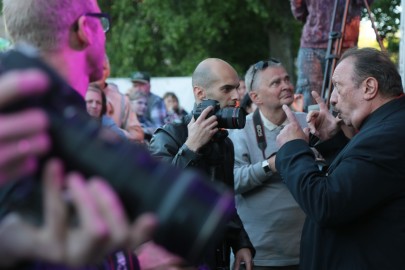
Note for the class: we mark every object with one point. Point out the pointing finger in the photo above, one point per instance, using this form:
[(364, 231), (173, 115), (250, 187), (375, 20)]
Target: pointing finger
[(290, 115), (319, 100)]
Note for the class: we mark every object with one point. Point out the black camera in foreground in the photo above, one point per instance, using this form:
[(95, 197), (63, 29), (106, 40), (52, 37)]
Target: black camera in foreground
[(192, 211), (228, 117)]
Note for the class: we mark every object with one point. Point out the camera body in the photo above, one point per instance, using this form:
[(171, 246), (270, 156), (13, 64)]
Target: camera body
[(228, 117), (192, 211)]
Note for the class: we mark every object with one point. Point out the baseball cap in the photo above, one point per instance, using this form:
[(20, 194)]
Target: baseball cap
[(140, 76)]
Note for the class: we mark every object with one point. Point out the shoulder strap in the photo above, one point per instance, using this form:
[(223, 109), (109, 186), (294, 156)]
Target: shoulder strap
[(259, 129)]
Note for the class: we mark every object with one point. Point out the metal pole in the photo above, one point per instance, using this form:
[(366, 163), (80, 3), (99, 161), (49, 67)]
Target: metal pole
[(378, 37), (335, 43)]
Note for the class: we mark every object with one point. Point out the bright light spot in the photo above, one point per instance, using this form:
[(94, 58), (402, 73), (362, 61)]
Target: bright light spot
[(367, 35)]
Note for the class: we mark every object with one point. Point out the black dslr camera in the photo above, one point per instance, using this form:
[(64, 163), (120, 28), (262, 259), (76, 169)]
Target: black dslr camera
[(192, 211), (228, 117)]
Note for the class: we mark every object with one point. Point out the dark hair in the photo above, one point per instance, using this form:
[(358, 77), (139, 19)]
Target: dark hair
[(96, 88), (370, 62), (170, 94)]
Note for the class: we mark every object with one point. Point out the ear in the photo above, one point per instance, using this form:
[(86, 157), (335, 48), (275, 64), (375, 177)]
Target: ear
[(370, 88), (199, 93), (254, 97), (82, 36)]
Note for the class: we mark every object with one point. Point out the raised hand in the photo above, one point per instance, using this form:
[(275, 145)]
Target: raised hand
[(292, 131), (322, 123)]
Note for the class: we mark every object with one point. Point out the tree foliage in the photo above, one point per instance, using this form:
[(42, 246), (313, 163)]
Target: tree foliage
[(387, 16), (170, 37)]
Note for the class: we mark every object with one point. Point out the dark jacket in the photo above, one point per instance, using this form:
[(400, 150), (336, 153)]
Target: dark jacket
[(24, 196), (216, 160), (356, 211)]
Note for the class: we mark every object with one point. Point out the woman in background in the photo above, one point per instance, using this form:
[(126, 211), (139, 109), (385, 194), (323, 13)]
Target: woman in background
[(174, 111), (96, 106), (139, 104)]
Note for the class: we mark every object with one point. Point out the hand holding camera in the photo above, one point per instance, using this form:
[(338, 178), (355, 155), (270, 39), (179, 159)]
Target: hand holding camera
[(201, 130), (188, 222), (24, 139), (208, 119), (23, 135)]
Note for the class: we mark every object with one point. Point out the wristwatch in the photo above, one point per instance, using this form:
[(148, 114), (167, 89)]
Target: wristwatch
[(266, 167)]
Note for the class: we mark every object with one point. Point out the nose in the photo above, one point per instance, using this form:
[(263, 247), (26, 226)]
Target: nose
[(333, 98), (235, 94), (286, 84)]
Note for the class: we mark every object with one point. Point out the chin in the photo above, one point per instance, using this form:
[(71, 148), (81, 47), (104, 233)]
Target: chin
[(288, 102), (93, 114)]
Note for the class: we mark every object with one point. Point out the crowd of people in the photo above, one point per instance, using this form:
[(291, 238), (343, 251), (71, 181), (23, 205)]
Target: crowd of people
[(291, 211)]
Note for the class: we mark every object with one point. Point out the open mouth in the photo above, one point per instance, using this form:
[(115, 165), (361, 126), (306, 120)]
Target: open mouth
[(335, 112)]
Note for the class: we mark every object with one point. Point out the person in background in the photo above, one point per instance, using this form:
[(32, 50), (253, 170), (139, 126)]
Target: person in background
[(271, 216), (355, 210), (139, 104), (119, 107), (311, 60), (247, 104), (96, 105), (242, 87), (174, 111), (156, 112)]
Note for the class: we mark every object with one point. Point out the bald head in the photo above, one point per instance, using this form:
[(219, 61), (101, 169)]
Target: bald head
[(208, 72), (215, 79)]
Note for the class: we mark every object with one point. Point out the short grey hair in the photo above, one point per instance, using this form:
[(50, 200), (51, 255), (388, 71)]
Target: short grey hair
[(250, 73), (43, 23)]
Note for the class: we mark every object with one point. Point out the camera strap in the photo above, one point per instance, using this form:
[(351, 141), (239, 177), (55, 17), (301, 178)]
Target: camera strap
[(259, 129)]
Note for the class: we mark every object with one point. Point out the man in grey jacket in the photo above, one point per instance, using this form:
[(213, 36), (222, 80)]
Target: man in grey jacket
[(269, 213)]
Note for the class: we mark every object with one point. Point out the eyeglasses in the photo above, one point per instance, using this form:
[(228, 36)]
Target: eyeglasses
[(262, 65), (104, 19)]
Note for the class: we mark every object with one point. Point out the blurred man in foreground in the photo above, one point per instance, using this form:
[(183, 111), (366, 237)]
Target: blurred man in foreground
[(76, 51)]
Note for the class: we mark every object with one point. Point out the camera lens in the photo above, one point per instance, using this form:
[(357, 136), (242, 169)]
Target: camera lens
[(192, 211), (232, 118)]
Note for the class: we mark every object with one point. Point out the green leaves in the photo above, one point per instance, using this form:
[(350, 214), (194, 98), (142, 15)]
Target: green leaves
[(170, 37)]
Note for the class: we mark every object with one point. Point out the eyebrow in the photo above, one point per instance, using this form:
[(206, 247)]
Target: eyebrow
[(230, 86), (279, 78)]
